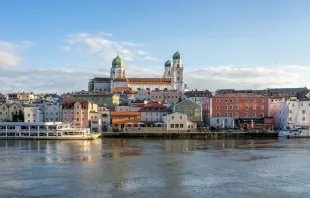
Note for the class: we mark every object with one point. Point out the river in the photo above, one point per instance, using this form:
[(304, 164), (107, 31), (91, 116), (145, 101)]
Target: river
[(155, 168)]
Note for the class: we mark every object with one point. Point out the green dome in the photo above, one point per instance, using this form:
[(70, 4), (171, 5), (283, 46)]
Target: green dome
[(168, 63), (177, 55), (117, 62)]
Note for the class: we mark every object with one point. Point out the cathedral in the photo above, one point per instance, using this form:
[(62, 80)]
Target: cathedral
[(172, 78)]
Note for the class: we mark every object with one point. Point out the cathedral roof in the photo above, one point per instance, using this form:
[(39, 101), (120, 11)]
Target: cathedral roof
[(117, 62), (177, 55), (149, 80), (168, 63)]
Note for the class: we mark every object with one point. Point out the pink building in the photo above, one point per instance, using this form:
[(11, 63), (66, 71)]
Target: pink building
[(170, 97), (79, 111)]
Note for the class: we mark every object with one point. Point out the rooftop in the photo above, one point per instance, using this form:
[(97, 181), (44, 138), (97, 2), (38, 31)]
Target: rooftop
[(124, 113), (239, 95)]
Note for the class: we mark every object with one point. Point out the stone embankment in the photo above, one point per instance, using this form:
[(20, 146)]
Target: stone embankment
[(186, 134)]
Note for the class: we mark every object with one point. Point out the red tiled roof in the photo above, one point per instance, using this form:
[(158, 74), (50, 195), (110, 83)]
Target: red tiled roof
[(125, 113), (121, 89), (149, 80), (239, 95)]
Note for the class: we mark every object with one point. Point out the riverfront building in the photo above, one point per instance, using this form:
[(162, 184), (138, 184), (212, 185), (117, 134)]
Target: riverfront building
[(226, 108)]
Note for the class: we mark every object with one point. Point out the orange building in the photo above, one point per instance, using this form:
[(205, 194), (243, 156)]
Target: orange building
[(125, 118), (240, 105)]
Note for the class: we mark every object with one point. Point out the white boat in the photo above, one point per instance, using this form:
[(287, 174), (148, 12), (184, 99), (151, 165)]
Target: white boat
[(296, 131), (45, 130)]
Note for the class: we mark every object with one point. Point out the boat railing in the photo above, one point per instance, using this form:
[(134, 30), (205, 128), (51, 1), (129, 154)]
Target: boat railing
[(27, 130)]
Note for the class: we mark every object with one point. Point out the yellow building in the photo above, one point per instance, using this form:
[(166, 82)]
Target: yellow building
[(7, 111)]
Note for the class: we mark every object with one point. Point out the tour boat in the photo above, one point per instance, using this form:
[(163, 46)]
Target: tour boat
[(45, 130)]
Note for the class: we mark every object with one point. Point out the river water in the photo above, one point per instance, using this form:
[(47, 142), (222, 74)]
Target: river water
[(155, 168)]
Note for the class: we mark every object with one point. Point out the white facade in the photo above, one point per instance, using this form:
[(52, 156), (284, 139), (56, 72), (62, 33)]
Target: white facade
[(178, 121), (142, 95), (33, 114), (52, 113), (222, 122), (105, 114), (279, 111), (299, 112), (151, 87), (152, 116)]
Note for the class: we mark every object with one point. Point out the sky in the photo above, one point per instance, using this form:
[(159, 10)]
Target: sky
[(58, 45)]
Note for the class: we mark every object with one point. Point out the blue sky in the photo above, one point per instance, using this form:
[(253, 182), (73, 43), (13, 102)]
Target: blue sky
[(215, 37)]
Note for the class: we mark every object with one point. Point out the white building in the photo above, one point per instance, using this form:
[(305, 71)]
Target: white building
[(52, 113), (153, 112), (33, 114), (105, 115), (222, 122), (128, 108), (142, 95), (289, 113), (178, 121)]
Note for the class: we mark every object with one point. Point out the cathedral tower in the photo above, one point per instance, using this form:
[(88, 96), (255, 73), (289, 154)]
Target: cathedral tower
[(177, 81), (118, 69), (167, 73)]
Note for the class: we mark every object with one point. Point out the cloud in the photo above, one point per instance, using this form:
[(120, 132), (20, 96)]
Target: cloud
[(65, 48), (8, 50), (105, 34), (105, 48), (8, 59), (211, 78), (232, 77)]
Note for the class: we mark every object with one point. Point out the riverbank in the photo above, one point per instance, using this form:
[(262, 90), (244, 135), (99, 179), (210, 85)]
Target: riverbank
[(190, 135)]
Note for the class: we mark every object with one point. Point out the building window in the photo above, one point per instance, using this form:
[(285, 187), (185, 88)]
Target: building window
[(128, 117), (230, 114), (291, 111), (262, 100), (28, 115), (230, 100), (171, 125), (254, 115), (303, 111), (46, 119), (246, 107), (246, 100), (254, 107), (217, 120), (303, 119), (64, 112), (262, 107), (181, 126), (262, 115), (231, 107), (176, 125), (217, 107), (290, 119), (254, 100), (226, 107), (301, 104), (226, 100), (246, 114), (236, 114), (77, 119), (225, 121), (226, 114), (236, 107), (77, 113), (217, 114), (181, 117), (77, 107), (172, 117)]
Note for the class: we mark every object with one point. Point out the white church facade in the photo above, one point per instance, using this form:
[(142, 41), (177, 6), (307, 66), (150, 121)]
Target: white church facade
[(172, 79)]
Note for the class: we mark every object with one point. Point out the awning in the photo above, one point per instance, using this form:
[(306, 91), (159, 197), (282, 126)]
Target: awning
[(130, 123), (159, 123), (140, 123)]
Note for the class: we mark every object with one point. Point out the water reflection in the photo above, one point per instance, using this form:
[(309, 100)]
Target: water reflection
[(160, 168)]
